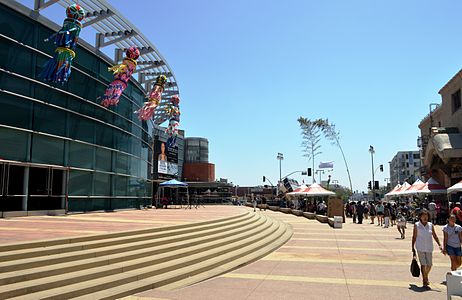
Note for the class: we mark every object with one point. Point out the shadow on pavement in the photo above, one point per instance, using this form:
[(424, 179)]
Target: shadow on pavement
[(421, 289)]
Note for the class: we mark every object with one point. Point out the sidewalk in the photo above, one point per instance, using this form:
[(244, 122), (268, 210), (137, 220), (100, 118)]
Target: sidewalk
[(25, 229), (357, 262)]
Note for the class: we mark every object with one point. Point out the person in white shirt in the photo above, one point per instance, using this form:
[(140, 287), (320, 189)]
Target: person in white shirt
[(422, 242), (452, 240), (432, 211)]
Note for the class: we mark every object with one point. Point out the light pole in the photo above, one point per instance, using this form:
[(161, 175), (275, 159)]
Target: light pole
[(372, 151), (280, 157)]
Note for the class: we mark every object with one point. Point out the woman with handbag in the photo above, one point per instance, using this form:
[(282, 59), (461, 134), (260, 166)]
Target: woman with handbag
[(422, 241)]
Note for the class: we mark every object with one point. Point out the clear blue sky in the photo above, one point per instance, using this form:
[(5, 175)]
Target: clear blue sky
[(248, 69)]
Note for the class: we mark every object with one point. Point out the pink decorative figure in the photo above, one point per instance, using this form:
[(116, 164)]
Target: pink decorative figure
[(122, 74), (147, 111)]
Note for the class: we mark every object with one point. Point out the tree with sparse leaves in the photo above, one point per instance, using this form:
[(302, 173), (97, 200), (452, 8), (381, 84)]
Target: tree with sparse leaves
[(311, 135)]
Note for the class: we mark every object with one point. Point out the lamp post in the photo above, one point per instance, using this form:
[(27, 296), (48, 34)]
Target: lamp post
[(280, 157), (372, 151)]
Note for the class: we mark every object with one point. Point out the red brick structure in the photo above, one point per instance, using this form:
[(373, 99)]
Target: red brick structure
[(203, 172)]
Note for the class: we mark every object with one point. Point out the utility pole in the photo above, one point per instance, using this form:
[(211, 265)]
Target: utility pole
[(372, 151), (280, 157)]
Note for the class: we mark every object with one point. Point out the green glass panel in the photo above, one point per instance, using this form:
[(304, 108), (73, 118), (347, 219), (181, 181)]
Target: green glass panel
[(80, 183), (47, 150), (102, 184), (104, 135), (81, 128), (103, 159), (121, 185), (15, 58), (15, 111), (49, 95), (15, 84), (16, 26), (13, 144), (81, 155), (122, 163), (49, 119)]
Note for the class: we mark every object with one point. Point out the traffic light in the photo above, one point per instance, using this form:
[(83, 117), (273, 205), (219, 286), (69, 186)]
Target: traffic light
[(381, 168), (309, 171), (369, 185), (264, 178), (376, 185)]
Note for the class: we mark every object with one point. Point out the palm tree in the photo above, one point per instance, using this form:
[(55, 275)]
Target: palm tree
[(311, 135)]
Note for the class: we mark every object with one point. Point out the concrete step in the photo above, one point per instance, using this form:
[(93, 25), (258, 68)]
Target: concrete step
[(130, 260), (33, 262), (111, 254), (168, 271), (40, 248), (196, 273)]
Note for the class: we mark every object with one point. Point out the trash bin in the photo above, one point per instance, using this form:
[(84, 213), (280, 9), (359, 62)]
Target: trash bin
[(454, 283), (338, 221)]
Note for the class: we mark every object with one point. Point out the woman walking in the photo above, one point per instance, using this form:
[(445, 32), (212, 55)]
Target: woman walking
[(372, 212), (452, 239), (380, 209), (422, 242)]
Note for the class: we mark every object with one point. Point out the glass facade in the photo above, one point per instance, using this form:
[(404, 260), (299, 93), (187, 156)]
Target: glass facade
[(197, 150), (106, 153)]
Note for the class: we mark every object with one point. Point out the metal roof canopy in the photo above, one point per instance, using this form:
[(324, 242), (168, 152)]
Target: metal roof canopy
[(113, 29)]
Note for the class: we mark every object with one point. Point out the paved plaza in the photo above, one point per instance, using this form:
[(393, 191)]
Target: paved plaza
[(356, 262)]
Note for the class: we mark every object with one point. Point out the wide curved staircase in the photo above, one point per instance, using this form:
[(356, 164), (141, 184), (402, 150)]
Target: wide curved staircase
[(115, 265)]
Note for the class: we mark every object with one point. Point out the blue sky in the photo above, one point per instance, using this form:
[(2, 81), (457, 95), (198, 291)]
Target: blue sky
[(248, 69)]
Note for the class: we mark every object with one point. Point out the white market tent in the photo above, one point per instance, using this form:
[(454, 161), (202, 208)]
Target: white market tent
[(391, 193), (311, 191), (455, 188), (412, 190), (397, 192), (432, 187)]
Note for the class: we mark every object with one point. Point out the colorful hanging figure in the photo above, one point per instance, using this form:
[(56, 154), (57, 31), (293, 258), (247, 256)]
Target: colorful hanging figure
[(147, 111), (173, 111), (122, 74), (58, 68)]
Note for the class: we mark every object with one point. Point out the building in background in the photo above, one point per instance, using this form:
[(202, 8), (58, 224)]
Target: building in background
[(405, 166), (441, 138), (197, 167), (60, 150)]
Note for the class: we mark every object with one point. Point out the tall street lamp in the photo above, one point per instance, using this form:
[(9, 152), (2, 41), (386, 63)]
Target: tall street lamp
[(280, 157), (372, 151)]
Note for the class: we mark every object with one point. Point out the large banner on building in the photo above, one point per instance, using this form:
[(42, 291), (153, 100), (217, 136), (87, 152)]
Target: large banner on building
[(167, 160)]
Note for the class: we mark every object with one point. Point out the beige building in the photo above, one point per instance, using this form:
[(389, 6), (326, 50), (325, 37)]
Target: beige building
[(441, 138)]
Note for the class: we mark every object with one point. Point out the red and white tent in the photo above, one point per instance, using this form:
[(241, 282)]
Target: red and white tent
[(455, 188), (432, 187), (313, 190), (412, 190), (391, 193), (397, 192), (299, 190)]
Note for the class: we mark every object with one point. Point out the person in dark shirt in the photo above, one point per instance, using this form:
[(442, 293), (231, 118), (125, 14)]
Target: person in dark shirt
[(360, 212)]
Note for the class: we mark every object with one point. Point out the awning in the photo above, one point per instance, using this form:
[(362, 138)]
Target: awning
[(455, 188), (173, 183), (312, 191), (397, 192), (412, 190), (393, 191), (448, 145), (432, 187)]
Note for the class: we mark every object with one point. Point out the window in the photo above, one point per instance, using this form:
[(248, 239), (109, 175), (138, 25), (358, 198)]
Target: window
[(50, 120), (13, 144), (121, 185), (47, 150), (102, 184), (104, 135), (15, 58), (416, 156), (15, 111), (81, 155), (122, 163), (103, 159), (15, 84), (81, 128), (80, 183), (455, 101)]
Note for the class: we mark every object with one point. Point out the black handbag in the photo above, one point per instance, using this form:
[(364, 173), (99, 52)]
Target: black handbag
[(415, 269)]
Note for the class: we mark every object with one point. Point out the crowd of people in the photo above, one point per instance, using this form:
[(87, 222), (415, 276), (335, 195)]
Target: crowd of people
[(424, 216)]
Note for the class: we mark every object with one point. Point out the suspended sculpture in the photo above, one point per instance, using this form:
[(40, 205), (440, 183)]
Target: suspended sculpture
[(58, 68), (173, 111), (147, 111), (122, 74)]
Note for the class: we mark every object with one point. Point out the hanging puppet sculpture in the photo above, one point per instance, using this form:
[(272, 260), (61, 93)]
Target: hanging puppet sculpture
[(147, 111), (173, 111), (122, 74), (58, 68)]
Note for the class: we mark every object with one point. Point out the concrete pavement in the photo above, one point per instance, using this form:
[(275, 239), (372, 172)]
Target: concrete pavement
[(357, 262)]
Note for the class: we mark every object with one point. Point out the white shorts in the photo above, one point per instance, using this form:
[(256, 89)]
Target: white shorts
[(425, 258)]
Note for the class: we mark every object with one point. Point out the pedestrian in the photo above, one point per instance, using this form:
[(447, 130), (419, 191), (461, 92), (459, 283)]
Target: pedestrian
[(353, 211), (380, 212), (456, 211), (387, 214), (372, 212), (401, 224), (393, 213), (254, 202), (452, 240), (263, 203), (432, 210), (360, 212), (423, 243)]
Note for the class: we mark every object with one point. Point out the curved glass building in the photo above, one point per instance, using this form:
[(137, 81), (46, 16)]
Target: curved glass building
[(60, 150)]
